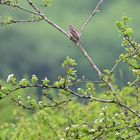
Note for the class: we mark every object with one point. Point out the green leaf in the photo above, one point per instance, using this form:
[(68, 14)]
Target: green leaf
[(34, 79), (45, 81)]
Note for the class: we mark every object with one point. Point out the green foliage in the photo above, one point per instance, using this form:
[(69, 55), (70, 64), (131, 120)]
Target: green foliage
[(122, 25), (62, 116), (11, 79), (68, 110), (23, 83), (131, 56), (45, 81), (34, 79)]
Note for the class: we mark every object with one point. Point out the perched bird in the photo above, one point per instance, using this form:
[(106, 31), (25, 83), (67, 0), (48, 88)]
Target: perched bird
[(74, 34)]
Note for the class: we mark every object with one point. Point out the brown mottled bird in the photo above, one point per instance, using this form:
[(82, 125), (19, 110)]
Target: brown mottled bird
[(74, 34)]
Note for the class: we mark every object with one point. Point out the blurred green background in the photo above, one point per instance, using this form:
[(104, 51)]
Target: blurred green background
[(37, 48)]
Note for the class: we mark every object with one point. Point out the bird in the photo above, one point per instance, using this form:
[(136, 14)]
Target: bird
[(74, 34)]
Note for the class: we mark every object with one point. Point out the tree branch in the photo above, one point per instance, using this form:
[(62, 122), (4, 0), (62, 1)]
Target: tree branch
[(90, 97), (115, 66), (19, 7), (20, 21), (91, 16), (33, 6)]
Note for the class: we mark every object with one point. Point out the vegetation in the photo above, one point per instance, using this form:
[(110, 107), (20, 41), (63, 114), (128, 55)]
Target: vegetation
[(73, 107)]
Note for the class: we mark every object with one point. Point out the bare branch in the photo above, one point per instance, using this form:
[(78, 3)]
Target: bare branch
[(90, 17), (79, 81), (115, 66), (19, 7), (56, 26), (33, 6), (89, 97)]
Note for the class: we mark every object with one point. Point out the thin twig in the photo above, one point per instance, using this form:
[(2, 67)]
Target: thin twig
[(89, 97), (26, 20), (19, 7), (56, 26), (12, 21), (91, 15), (34, 7), (115, 66), (85, 81)]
